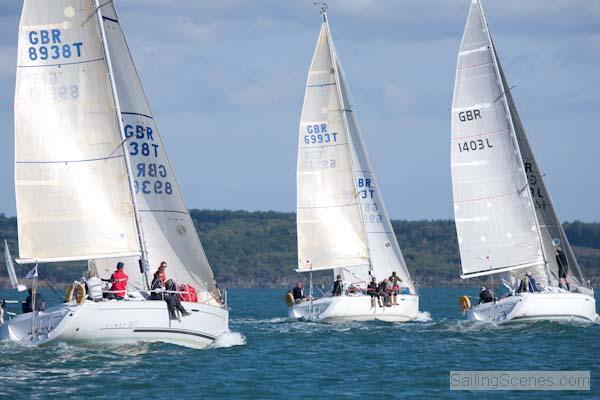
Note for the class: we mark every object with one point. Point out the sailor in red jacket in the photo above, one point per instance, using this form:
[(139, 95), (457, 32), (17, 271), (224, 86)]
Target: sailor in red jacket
[(119, 283)]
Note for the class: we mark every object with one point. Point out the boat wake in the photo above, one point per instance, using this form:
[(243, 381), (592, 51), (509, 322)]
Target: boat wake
[(228, 339), (424, 316)]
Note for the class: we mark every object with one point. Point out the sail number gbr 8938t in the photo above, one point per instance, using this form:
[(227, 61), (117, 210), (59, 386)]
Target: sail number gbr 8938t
[(48, 44)]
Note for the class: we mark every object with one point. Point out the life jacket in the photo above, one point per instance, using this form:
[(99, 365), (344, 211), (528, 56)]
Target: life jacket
[(120, 283), (191, 294)]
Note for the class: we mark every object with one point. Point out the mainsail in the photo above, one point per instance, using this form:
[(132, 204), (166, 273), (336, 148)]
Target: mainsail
[(168, 229), (505, 220), (73, 197), (342, 222), (495, 223)]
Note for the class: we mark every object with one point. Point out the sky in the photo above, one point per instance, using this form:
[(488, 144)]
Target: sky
[(226, 79)]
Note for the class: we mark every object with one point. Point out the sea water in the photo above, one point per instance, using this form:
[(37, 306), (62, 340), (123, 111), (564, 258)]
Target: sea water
[(268, 356)]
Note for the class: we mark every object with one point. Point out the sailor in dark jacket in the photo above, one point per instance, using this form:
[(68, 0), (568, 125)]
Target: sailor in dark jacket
[(338, 286), (485, 295), (563, 269), (40, 303), (298, 293)]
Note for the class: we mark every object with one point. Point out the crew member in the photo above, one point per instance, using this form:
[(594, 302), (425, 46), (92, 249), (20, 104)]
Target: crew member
[(528, 284), (485, 295), (40, 303), (298, 293), (173, 301), (119, 283), (338, 286), (372, 291), (563, 269)]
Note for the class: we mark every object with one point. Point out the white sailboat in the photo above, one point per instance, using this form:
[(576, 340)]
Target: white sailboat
[(342, 222), (505, 221), (93, 182)]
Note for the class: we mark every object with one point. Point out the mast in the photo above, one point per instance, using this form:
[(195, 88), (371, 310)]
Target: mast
[(344, 110), (143, 251), (515, 141)]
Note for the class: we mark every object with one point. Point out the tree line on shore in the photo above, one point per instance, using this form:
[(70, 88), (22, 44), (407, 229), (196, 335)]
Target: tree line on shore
[(258, 249)]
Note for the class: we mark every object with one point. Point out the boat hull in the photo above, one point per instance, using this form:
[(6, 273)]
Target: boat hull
[(356, 308), (119, 322), (561, 306)]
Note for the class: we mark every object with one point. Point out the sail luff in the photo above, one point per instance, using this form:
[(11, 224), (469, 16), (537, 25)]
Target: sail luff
[(140, 234)]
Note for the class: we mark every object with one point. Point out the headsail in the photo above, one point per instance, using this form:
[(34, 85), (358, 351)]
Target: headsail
[(496, 226), (169, 231), (385, 255), (330, 230), (73, 197), (553, 234)]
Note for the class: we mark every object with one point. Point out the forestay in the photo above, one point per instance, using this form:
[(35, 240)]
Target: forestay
[(495, 222), (73, 198), (167, 226), (330, 230)]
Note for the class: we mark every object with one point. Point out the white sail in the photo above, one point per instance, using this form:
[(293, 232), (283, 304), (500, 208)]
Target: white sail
[(496, 226), (553, 234), (330, 230), (385, 255), (73, 198), (168, 229)]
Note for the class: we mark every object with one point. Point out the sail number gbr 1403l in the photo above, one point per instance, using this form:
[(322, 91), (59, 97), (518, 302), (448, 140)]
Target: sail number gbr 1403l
[(475, 144)]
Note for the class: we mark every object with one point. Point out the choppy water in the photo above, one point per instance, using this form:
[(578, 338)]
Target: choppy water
[(272, 357)]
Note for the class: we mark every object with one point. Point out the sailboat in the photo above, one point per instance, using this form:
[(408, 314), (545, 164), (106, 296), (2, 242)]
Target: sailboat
[(506, 224), (93, 183), (342, 223)]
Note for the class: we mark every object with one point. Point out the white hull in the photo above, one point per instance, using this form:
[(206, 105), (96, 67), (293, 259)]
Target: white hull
[(553, 306), (356, 308), (119, 322)]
